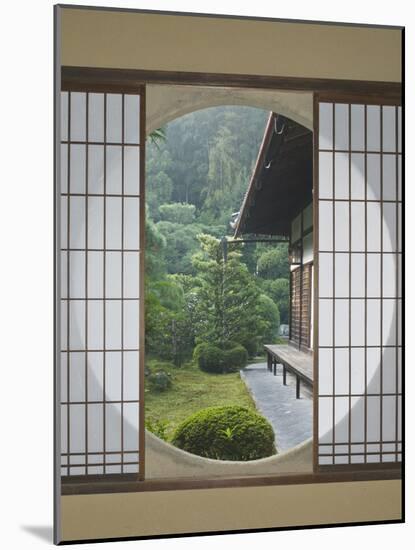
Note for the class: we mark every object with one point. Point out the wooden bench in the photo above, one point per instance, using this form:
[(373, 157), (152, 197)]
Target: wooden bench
[(295, 361)]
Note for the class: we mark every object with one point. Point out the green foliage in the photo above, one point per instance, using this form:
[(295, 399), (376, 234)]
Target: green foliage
[(158, 427), (273, 263), (159, 381), (226, 295), (210, 358), (177, 212), (226, 433), (269, 316), (192, 159), (279, 291), (236, 358)]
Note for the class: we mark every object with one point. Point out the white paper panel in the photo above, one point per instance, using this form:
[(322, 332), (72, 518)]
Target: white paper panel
[(373, 226), (76, 324), (77, 376), (95, 430), (389, 322), (341, 271), (357, 176), (358, 273), (113, 377), (96, 222), (64, 168), (113, 427), (341, 416), (77, 274), (341, 176), (341, 126), (389, 177), (95, 376), (341, 226), (325, 171), (64, 116), (373, 418), (132, 118), (131, 420), (325, 273), (341, 371), (95, 169), (388, 128), (113, 161), (389, 227), (95, 274), (373, 127), (131, 274), (64, 428), (325, 369), (373, 366), (113, 324), (373, 275), (64, 376), (326, 126), (131, 170), (77, 169), (95, 324), (358, 223), (325, 419), (389, 278), (131, 376), (373, 322), (357, 374), (78, 116), (373, 177), (113, 222), (325, 327), (357, 324), (131, 324), (357, 419), (325, 225), (113, 274), (77, 428), (131, 223), (389, 370), (341, 323), (357, 127), (96, 117), (77, 222), (114, 118)]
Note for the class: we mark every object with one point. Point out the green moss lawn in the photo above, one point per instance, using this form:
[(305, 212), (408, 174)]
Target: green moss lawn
[(191, 391)]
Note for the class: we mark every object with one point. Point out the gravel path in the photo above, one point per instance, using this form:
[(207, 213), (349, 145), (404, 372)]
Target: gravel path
[(291, 418)]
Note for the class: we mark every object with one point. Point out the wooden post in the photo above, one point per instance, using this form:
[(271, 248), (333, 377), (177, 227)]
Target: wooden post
[(284, 375), (269, 364), (297, 388), (275, 366)]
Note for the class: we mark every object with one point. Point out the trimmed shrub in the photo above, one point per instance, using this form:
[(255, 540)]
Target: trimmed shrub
[(236, 358), (159, 381), (226, 433), (211, 359)]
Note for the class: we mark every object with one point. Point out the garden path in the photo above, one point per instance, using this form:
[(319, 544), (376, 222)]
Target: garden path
[(291, 418)]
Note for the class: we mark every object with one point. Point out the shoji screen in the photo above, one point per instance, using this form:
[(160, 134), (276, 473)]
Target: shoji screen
[(359, 295), (101, 311)]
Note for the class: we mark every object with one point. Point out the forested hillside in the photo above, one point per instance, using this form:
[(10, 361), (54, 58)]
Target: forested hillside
[(196, 177)]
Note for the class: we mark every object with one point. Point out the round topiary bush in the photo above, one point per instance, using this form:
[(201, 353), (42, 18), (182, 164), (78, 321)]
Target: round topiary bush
[(236, 358), (216, 360), (159, 381), (209, 358), (226, 433)]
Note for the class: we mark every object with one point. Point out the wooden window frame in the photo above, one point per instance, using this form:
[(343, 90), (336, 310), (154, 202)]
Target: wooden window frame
[(87, 79)]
